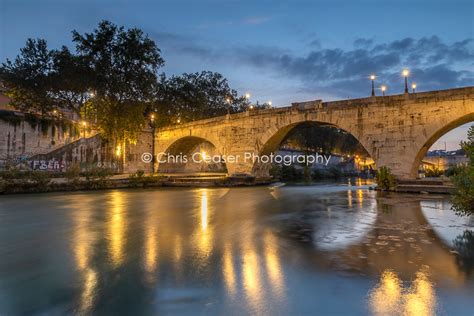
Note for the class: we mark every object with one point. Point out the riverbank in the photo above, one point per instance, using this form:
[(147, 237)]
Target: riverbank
[(42, 185), (427, 185)]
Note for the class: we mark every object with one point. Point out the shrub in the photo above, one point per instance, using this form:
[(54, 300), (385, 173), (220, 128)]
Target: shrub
[(433, 172), (385, 179), (452, 171), (463, 197)]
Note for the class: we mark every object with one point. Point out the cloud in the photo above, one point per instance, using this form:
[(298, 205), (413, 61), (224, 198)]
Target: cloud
[(433, 63)]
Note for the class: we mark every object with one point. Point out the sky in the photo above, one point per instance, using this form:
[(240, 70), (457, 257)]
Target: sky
[(283, 51)]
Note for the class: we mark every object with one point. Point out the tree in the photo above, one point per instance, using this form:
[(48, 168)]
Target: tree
[(463, 197), (195, 96), (124, 65), (71, 81), (27, 79)]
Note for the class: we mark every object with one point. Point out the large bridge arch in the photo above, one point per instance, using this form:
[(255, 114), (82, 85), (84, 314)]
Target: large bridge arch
[(437, 134), (274, 136), (185, 154)]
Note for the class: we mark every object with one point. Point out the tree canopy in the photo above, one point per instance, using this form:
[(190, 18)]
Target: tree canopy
[(110, 79)]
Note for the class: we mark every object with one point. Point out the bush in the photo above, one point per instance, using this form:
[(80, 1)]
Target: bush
[(385, 179), (463, 197), (452, 171), (335, 173), (72, 176), (97, 177), (433, 172)]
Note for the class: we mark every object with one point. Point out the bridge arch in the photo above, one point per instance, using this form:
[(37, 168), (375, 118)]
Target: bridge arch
[(434, 136), (190, 154), (272, 139)]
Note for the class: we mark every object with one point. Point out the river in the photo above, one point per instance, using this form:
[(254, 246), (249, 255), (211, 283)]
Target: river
[(327, 248)]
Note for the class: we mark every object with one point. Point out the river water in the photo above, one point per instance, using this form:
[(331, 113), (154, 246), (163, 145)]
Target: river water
[(324, 249)]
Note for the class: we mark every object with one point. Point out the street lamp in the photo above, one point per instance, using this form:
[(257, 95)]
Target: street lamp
[(413, 87), (152, 123), (372, 78), (383, 88), (405, 74), (228, 101), (84, 125)]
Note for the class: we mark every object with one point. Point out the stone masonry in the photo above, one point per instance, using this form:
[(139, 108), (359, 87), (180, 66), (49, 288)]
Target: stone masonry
[(396, 131)]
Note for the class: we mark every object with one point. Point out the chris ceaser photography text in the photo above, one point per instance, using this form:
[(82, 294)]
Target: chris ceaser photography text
[(201, 157)]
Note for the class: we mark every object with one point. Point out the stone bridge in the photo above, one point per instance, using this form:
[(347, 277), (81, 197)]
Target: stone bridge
[(396, 130)]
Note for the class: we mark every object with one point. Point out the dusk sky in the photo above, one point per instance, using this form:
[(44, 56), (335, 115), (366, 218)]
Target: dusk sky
[(284, 51)]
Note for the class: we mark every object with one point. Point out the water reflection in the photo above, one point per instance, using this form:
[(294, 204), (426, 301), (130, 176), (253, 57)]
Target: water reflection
[(204, 233), (286, 250), (273, 266), (228, 270), (389, 297), (116, 227)]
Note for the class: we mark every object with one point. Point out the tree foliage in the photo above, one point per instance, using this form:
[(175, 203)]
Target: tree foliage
[(312, 137), (27, 79), (194, 96), (385, 179), (463, 197)]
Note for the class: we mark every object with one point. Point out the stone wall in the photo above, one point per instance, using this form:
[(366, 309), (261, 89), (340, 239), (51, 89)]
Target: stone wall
[(54, 146)]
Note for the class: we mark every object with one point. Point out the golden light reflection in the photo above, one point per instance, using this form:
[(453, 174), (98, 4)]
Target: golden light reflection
[(229, 271), (178, 248), (272, 263), (421, 298), (390, 298), (204, 235), (251, 277), (151, 249), (385, 298), (204, 209), (83, 242), (87, 295), (360, 197), (116, 228), (82, 246), (349, 198)]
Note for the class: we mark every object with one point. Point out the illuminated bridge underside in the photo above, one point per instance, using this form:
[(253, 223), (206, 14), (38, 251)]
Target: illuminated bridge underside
[(396, 131)]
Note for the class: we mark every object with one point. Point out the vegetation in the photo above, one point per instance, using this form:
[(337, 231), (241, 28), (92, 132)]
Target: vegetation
[(316, 138), (464, 245), (463, 197), (433, 172), (385, 179), (111, 80)]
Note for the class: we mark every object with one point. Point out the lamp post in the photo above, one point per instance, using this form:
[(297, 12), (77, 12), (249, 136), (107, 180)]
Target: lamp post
[(413, 87), (383, 88), (152, 123), (227, 100), (84, 126), (247, 97), (405, 74), (372, 78)]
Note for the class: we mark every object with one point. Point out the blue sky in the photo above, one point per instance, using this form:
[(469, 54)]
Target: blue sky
[(284, 51)]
